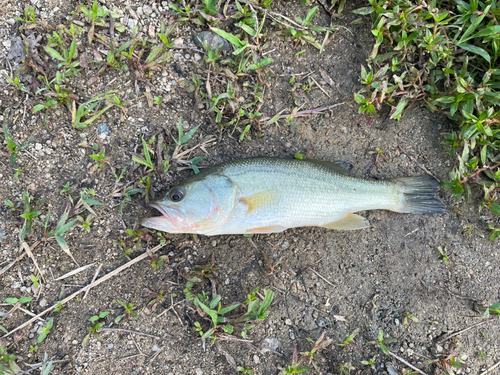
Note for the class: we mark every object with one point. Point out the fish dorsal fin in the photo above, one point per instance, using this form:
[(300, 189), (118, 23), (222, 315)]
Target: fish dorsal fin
[(349, 222), (338, 166)]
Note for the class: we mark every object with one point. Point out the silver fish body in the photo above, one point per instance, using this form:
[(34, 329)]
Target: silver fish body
[(265, 195)]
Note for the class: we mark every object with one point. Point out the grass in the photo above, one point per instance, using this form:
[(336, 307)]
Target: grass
[(370, 362), (21, 300), (444, 254), (98, 323), (129, 311), (29, 214), (451, 362), (8, 365), (132, 241), (351, 337), (11, 144), (45, 331), (382, 342), (444, 55), (302, 361), (408, 318), (228, 320)]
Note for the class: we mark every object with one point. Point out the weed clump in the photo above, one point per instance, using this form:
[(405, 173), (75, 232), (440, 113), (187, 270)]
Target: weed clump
[(443, 54)]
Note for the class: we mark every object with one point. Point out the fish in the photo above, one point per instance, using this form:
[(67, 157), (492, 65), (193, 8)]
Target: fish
[(270, 195)]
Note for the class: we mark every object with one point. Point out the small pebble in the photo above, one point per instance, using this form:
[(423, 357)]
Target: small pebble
[(131, 23), (391, 370), (155, 348), (103, 130), (271, 343), (322, 322), (288, 322), (212, 40), (199, 371), (43, 302), (110, 346)]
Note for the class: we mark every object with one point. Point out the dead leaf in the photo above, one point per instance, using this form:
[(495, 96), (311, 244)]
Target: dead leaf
[(326, 77)]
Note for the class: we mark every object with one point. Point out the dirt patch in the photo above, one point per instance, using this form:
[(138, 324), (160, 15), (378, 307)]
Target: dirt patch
[(324, 281)]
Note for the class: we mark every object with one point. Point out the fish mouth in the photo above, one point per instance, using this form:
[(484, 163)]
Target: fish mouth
[(168, 222)]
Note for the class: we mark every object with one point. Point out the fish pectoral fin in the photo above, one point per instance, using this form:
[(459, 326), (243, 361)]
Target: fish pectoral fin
[(258, 200), (269, 229), (350, 222)]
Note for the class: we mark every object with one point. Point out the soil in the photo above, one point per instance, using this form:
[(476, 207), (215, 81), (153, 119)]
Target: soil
[(329, 282)]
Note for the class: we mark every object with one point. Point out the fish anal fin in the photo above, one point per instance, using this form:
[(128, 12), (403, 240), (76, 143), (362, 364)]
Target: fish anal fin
[(258, 200), (350, 222), (269, 229)]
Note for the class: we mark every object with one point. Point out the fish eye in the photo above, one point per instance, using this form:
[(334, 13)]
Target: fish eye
[(176, 195)]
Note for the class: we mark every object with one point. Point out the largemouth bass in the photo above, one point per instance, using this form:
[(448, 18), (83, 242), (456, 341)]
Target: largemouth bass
[(268, 195)]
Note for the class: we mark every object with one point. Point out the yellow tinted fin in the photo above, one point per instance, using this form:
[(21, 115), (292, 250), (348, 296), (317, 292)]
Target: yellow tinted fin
[(259, 200), (350, 222), (269, 229), (338, 166)]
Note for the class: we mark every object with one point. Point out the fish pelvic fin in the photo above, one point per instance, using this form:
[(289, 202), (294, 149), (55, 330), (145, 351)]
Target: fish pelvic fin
[(350, 222), (259, 200), (269, 229), (417, 196)]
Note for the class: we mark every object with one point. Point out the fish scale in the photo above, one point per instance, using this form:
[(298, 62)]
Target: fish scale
[(307, 193)]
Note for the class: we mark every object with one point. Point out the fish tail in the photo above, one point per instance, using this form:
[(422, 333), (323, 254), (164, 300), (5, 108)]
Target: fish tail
[(417, 196)]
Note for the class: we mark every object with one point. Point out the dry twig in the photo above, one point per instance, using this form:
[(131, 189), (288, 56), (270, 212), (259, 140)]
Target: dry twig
[(462, 331), (20, 257), (418, 164), (490, 369), (325, 280), (74, 272), (26, 248), (128, 331), (94, 284), (406, 363), (93, 280)]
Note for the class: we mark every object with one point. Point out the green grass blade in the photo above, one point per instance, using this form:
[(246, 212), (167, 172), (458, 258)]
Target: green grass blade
[(477, 50), (229, 37), (54, 54), (66, 227), (93, 118), (185, 138)]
